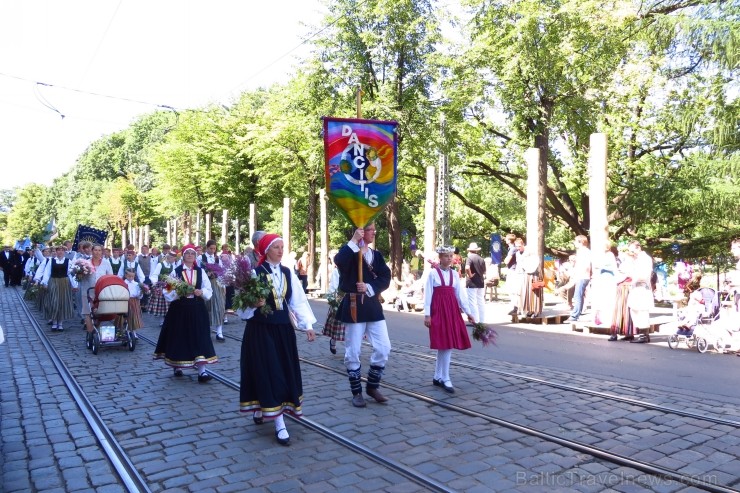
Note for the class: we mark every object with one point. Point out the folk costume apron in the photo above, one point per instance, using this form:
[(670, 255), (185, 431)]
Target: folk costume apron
[(447, 330)]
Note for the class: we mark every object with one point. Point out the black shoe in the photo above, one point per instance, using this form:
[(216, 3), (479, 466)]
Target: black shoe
[(613, 338), (281, 441), (220, 338), (204, 377), (628, 338), (448, 388), (258, 420), (512, 311), (178, 372), (438, 383), (332, 346)]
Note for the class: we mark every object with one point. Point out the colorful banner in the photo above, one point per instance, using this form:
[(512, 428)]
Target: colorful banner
[(360, 166), (88, 233)]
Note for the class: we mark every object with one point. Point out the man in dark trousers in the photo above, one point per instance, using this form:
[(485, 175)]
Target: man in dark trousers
[(361, 311), (475, 273), (5, 257)]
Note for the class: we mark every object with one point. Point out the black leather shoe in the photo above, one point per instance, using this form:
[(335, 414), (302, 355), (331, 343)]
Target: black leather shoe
[(220, 338), (258, 420), (281, 441), (204, 377), (178, 372), (512, 311), (358, 400), (613, 338), (438, 383), (448, 388), (332, 346)]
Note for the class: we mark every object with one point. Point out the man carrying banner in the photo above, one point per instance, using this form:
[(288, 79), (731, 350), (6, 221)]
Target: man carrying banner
[(362, 312)]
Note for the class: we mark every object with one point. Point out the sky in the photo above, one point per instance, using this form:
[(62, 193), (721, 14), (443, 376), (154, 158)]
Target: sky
[(101, 63)]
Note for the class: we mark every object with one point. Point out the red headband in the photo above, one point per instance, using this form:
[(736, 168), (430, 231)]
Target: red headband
[(265, 243)]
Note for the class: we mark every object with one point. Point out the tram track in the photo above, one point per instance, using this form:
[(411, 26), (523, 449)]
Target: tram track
[(618, 459), (430, 484), (119, 460)]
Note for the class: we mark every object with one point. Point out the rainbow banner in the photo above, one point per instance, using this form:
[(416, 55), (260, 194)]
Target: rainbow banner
[(360, 166)]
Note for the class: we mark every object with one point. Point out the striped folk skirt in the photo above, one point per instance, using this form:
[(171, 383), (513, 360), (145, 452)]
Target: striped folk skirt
[(333, 327), (157, 304), (134, 314), (60, 302), (622, 320), (217, 304)]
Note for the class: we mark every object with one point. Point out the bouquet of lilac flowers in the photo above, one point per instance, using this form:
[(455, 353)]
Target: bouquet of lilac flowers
[(248, 289), (213, 271), (81, 268), (484, 333)]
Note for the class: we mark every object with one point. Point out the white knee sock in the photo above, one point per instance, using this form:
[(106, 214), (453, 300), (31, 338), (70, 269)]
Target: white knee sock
[(201, 368), (219, 330), (442, 371)]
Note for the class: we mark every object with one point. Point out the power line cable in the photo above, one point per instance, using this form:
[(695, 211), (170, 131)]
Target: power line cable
[(100, 43)]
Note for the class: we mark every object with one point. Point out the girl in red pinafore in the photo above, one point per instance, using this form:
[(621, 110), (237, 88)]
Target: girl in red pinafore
[(442, 307)]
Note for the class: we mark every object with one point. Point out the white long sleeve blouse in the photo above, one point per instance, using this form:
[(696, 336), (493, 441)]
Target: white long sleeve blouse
[(433, 281), (205, 286)]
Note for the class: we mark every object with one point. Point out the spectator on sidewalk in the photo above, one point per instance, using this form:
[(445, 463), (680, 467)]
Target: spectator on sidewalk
[(475, 273), (581, 276), (515, 274)]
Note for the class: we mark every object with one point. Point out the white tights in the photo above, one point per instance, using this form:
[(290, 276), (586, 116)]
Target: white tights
[(442, 369)]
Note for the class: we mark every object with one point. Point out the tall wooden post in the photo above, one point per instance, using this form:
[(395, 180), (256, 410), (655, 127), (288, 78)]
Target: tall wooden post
[(286, 224), (225, 227), (169, 233), (252, 221), (123, 238), (237, 237), (598, 225), (147, 230), (430, 232), (175, 238), (534, 235), (197, 228), (209, 225), (324, 238)]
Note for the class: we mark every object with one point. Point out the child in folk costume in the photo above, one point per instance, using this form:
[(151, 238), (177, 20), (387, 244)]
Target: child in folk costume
[(61, 283), (271, 381), (442, 306), (116, 262), (217, 304), (157, 304), (185, 340), (134, 303)]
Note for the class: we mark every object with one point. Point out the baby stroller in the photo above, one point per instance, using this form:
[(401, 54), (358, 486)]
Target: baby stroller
[(110, 304), (698, 333)]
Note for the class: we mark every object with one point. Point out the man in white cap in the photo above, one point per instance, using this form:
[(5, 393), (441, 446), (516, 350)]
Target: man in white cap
[(475, 272)]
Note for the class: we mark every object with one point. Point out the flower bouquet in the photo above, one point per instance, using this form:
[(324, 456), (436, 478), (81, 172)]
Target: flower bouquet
[(484, 333), (182, 288), (213, 271), (248, 289), (32, 292), (81, 268), (334, 299)]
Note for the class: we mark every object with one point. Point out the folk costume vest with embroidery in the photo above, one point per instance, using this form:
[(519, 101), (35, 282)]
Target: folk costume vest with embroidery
[(199, 275), (166, 271), (59, 270), (277, 317)]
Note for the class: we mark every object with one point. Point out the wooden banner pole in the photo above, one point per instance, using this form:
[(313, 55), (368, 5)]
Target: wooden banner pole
[(359, 115)]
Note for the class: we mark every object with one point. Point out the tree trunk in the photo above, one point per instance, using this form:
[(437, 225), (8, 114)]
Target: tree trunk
[(313, 198), (394, 238)]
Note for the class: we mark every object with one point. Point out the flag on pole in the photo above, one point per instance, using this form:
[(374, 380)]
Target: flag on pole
[(88, 233), (360, 165)]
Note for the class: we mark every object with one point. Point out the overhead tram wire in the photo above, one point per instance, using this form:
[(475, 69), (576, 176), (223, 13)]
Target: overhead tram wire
[(309, 38), (100, 43)]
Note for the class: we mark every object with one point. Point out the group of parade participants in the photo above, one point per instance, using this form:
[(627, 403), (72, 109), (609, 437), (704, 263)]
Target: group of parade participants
[(271, 383)]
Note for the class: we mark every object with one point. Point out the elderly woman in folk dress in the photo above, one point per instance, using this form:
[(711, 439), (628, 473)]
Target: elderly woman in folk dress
[(270, 370), (101, 268), (185, 341)]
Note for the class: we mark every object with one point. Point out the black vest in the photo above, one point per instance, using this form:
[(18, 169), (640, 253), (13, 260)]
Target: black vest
[(277, 317), (116, 267), (59, 270)]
